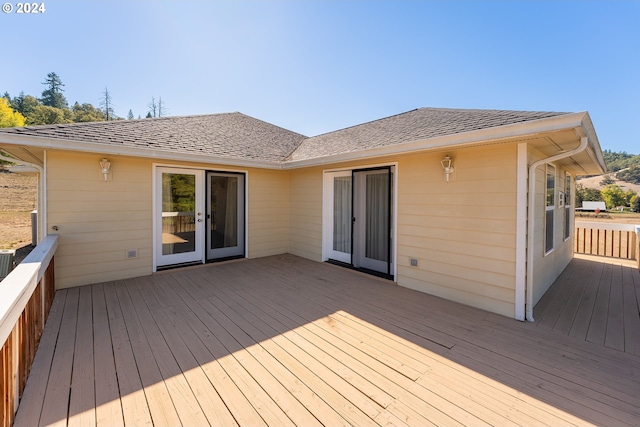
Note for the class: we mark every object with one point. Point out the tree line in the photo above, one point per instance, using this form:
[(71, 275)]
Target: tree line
[(52, 107)]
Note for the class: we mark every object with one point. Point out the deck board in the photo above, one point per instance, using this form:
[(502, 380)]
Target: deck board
[(603, 305), (285, 341)]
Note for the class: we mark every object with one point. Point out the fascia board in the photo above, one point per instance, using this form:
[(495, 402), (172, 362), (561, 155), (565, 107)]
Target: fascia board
[(566, 121), (106, 149)]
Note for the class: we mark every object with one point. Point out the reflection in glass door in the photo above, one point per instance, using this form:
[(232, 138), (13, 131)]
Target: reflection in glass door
[(179, 204), (225, 215)]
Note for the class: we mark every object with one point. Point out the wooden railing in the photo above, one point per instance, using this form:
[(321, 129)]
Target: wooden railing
[(26, 295), (178, 222), (607, 239)]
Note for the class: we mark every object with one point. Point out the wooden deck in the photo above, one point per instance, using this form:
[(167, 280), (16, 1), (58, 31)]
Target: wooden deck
[(285, 341), (596, 299)]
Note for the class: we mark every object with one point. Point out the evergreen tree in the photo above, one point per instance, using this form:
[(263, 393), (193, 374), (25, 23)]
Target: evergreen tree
[(24, 104), (130, 115), (52, 96)]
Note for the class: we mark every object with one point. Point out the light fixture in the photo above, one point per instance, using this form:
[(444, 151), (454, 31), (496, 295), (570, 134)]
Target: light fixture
[(447, 165), (105, 166)]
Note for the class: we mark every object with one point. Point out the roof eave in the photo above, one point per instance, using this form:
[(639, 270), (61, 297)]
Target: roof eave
[(506, 132), (120, 150)]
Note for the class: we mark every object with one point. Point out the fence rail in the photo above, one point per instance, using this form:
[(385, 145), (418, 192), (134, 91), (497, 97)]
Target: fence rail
[(26, 295), (607, 239)]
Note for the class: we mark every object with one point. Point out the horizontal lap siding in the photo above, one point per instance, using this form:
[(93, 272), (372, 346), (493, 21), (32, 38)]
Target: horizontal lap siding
[(268, 213), (462, 233), (99, 221), (305, 238)]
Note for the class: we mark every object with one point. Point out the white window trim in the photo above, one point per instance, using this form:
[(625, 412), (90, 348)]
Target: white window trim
[(568, 205), (550, 208)]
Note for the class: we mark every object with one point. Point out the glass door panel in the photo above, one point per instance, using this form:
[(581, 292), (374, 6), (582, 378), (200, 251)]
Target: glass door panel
[(179, 206), (341, 189), (225, 215), (372, 226)]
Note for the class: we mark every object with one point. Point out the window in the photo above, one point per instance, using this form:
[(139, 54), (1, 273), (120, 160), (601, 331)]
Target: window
[(568, 201), (550, 207)]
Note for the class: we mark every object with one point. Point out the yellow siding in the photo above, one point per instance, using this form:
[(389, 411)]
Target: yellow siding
[(305, 194), (462, 233), (98, 222), (268, 210)]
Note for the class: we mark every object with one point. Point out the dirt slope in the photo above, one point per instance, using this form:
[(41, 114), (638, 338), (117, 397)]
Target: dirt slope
[(17, 200)]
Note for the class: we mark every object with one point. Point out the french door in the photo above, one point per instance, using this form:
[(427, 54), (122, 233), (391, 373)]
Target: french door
[(225, 215), (359, 218), (180, 207), (200, 216)]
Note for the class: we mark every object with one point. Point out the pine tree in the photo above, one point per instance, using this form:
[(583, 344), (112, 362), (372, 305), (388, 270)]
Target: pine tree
[(130, 115), (52, 96)]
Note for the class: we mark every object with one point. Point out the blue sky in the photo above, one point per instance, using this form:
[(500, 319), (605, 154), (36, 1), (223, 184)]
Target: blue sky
[(318, 66)]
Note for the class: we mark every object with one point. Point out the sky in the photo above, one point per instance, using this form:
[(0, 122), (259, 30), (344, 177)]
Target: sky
[(318, 66)]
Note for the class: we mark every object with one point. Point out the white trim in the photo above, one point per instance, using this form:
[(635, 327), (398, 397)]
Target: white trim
[(154, 188), (568, 204), (521, 230), (505, 132), (199, 246), (548, 208), (327, 214)]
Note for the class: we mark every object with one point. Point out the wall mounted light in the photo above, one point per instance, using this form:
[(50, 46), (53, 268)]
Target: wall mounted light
[(447, 165), (105, 166)]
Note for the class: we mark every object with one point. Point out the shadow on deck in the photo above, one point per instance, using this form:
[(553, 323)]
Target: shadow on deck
[(287, 341)]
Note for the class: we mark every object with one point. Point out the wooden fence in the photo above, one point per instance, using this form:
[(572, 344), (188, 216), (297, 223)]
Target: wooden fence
[(26, 295), (607, 239)]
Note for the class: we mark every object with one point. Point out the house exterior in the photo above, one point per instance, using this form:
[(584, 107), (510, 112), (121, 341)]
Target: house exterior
[(493, 233)]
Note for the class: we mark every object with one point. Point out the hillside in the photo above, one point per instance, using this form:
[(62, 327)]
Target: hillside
[(594, 182), (17, 200)]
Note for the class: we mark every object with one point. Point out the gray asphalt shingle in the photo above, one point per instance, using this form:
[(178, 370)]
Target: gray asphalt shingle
[(415, 125), (238, 136)]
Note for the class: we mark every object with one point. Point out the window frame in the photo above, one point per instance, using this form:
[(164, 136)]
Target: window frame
[(568, 194), (550, 197)]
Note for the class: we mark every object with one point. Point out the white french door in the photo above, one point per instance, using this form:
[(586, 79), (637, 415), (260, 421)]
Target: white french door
[(180, 216), (358, 218), (339, 189)]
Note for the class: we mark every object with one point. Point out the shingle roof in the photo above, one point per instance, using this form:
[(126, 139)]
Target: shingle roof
[(415, 125), (227, 135), (241, 137)]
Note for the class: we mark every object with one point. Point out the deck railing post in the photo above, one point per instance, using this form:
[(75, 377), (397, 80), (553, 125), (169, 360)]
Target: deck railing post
[(636, 247)]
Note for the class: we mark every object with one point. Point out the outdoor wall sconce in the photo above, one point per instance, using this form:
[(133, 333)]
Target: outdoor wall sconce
[(105, 166), (447, 165)]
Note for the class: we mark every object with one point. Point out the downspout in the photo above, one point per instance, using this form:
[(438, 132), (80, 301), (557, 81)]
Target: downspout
[(584, 141), (41, 192)]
